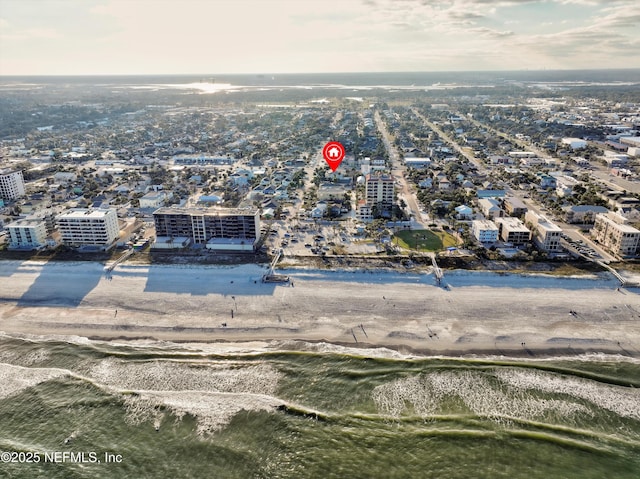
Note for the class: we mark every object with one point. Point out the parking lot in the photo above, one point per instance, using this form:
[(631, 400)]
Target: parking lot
[(308, 238)]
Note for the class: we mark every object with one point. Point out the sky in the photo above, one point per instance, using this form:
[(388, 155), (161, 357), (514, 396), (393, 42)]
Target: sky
[(76, 37)]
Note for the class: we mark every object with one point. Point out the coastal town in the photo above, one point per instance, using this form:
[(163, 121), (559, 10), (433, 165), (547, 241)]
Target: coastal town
[(356, 239), (531, 174)]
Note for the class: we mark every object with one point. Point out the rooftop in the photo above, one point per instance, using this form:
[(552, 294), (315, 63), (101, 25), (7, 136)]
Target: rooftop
[(205, 211), (86, 213)]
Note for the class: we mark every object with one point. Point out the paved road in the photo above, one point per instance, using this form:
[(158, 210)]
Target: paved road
[(398, 171), (453, 143)]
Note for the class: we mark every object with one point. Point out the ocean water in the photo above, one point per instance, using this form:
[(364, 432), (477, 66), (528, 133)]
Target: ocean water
[(300, 410)]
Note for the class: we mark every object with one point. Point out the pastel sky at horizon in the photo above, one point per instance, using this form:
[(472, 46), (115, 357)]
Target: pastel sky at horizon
[(75, 37)]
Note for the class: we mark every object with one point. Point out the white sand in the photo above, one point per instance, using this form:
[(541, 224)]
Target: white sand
[(190, 303)]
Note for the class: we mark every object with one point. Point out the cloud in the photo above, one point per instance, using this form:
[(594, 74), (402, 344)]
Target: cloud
[(139, 36), (489, 32)]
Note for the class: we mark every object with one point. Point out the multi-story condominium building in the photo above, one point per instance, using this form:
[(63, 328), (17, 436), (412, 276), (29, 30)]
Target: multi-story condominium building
[(546, 235), (27, 233), (380, 191), (612, 231), (209, 225), (513, 231), (514, 207), (364, 213), (153, 199), (485, 231), (89, 227), (11, 184), (583, 213)]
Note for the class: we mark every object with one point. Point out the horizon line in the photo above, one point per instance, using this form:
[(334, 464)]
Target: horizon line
[(2, 75)]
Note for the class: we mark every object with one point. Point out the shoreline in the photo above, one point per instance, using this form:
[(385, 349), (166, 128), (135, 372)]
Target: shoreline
[(514, 315)]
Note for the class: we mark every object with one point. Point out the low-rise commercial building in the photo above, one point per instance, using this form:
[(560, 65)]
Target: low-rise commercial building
[(574, 143)]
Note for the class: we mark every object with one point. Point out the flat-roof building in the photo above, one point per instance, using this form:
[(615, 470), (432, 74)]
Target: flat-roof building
[(514, 206), (89, 227), (203, 224), (27, 233), (546, 235), (417, 163), (380, 191), (485, 231), (513, 231), (11, 185), (612, 231), (574, 143), (153, 199), (583, 213)]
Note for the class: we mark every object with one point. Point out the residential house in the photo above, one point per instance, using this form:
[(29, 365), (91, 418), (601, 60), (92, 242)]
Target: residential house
[(490, 208), (464, 212), (153, 199), (546, 181)]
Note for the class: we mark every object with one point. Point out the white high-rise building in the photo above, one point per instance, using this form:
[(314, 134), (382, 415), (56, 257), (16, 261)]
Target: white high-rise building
[(11, 185), (89, 227)]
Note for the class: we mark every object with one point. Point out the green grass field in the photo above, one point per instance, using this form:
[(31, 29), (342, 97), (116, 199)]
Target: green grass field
[(424, 240)]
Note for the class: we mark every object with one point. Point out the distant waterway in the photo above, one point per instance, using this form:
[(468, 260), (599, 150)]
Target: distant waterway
[(384, 80)]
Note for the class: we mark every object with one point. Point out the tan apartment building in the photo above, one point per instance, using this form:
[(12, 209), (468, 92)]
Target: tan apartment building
[(513, 231), (380, 191), (546, 235), (612, 232), (515, 207)]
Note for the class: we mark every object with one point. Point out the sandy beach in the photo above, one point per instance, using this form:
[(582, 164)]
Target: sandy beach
[(482, 314)]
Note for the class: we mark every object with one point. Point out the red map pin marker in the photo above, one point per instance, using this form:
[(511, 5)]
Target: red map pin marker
[(333, 153)]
